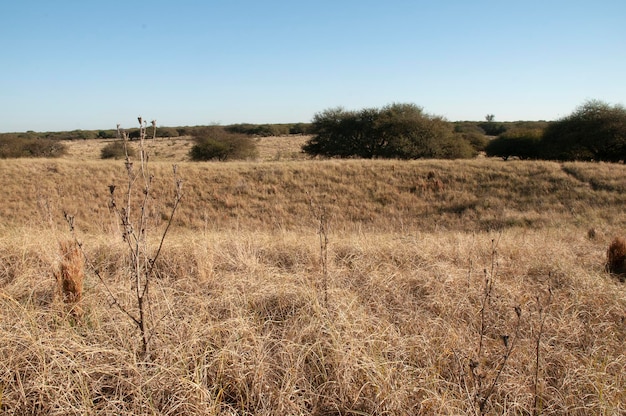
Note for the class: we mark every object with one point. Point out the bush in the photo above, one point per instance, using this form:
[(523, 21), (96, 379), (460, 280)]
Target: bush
[(115, 150), (262, 130), (167, 132), (14, 147), (134, 134), (79, 135), (594, 131), (473, 134), (476, 140), (299, 128), (492, 129), (214, 143), (456, 147), (401, 131), (468, 127), (106, 134), (522, 143)]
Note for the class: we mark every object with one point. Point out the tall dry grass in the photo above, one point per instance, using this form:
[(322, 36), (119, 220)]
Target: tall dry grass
[(176, 149), (477, 195), (246, 329)]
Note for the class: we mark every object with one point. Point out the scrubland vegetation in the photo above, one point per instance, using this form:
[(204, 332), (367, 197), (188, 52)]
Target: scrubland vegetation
[(453, 287), (290, 285), (594, 131)]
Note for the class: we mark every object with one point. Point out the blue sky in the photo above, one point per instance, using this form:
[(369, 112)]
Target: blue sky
[(92, 64)]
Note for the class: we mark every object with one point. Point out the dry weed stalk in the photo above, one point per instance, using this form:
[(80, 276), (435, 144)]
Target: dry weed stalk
[(542, 319), (320, 213), (487, 290), (136, 229), (509, 343), (70, 276), (135, 232), (484, 377)]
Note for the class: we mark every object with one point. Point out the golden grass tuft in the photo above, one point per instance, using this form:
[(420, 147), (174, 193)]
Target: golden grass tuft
[(616, 257), (70, 276)]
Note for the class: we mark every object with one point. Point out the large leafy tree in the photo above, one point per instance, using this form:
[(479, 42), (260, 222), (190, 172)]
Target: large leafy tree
[(595, 130), (402, 131), (521, 142)]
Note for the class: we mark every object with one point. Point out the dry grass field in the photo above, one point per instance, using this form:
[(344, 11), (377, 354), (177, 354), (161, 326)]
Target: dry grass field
[(453, 287), (176, 149)]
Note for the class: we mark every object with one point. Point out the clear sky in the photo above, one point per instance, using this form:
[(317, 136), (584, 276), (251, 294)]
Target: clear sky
[(87, 64)]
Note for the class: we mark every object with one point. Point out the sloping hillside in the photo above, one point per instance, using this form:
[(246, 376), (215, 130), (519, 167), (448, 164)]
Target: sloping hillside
[(382, 195)]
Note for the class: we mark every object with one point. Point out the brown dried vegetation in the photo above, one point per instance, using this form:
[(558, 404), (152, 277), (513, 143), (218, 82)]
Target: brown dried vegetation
[(70, 276), (616, 257), (243, 326)]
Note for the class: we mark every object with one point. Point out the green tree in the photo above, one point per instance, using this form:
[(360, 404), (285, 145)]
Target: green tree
[(524, 143), (595, 130), (402, 131)]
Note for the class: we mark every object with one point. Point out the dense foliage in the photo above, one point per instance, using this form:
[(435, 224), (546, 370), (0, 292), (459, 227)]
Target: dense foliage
[(492, 128), (401, 131), (594, 131), (14, 147), (521, 142), (262, 130), (267, 130), (215, 143)]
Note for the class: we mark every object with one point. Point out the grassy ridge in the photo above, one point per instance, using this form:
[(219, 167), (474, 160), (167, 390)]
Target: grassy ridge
[(381, 195), (242, 325)]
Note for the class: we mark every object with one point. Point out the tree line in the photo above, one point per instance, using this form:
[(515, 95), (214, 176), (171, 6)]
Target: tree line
[(593, 131)]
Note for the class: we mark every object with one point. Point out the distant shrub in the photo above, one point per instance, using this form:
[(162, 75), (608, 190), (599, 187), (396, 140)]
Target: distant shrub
[(467, 127), (594, 131), (478, 141), (78, 135), (106, 134), (299, 128), (115, 150), (167, 132), (183, 131), (278, 129), (493, 129), (522, 143), (457, 147), (133, 134), (215, 143), (262, 130), (14, 147)]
